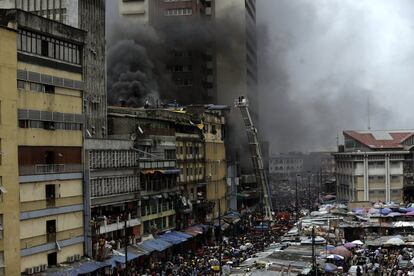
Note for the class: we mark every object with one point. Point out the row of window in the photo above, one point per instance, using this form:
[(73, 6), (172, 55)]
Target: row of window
[(48, 125), (35, 87), (287, 168), (158, 182), (183, 82), (371, 164), (154, 206), (182, 68), (114, 185), (178, 12), (113, 159), (393, 192), (159, 224), (193, 150), (48, 47), (189, 170), (284, 161)]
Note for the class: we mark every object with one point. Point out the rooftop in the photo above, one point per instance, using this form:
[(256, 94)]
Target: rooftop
[(381, 139)]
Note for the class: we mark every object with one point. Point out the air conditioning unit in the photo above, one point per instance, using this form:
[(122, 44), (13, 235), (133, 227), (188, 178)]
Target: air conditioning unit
[(71, 259), (77, 257), (29, 271), (43, 267), (37, 269)]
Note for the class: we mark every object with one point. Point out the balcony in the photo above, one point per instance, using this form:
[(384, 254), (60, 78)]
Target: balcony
[(39, 169), (115, 224)]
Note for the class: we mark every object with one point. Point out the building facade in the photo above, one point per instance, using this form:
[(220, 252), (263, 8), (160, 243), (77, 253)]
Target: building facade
[(49, 139), (9, 178), (153, 133), (286, 165), (372, 165), (88, 15), (112, 194), (215, 163)]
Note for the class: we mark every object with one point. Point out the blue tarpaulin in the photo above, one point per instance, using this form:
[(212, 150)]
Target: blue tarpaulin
[(147, 246), (84, 268), (162, 244), (90, 267), (172, 238), (183, 235), (121, 258), (154, 245)]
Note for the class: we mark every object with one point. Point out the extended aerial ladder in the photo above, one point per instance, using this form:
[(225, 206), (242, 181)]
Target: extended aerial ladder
[(256, 155)]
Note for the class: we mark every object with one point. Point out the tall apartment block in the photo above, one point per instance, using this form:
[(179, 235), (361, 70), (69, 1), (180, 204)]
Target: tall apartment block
[(9, 177), (88, 15), (221, 69), (46, 107)]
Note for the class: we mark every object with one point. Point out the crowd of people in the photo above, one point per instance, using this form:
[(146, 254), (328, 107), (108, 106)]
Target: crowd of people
[(383, 261), (217, 253)]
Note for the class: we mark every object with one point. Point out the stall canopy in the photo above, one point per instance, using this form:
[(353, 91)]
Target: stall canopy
[(173, 238), (154, 245), (194, 230), (83, 268)]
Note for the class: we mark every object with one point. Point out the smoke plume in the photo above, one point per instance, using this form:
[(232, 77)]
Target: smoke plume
[(141, 59), (326, 66)]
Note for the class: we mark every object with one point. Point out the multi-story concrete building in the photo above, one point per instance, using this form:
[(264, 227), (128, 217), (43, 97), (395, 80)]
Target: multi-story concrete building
[(49, 140), (153, 133), (216, 165), (286, 165), (112, 187), (182, 163), (217, 70), (372, 165), (9, 179), (88, 15)]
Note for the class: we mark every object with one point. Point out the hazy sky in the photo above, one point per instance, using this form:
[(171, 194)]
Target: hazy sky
[(319, 61)]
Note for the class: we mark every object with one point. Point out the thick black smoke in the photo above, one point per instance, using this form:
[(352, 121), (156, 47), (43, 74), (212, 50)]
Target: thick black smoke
[(140, 58), (320, 62)]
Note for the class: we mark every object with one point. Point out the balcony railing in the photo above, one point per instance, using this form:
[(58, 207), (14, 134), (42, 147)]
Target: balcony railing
[(117, 223), (49, 169)]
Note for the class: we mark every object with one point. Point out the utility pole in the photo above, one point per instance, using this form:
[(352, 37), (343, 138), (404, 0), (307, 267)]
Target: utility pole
[(126, 239), (314, 272), (296, 198), (219, 217), (309, 192)]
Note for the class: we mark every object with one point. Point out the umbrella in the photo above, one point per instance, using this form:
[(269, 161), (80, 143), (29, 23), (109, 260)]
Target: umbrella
[(358, 242), (350, 245), (330, 267), (394, 241), (402, 210), (343, 251), (330, 247), (386, 211), (374, 211), (357, 210), (335, 257), (394, 214)]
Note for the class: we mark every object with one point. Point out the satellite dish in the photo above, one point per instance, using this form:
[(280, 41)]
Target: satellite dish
[(133, 137)]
